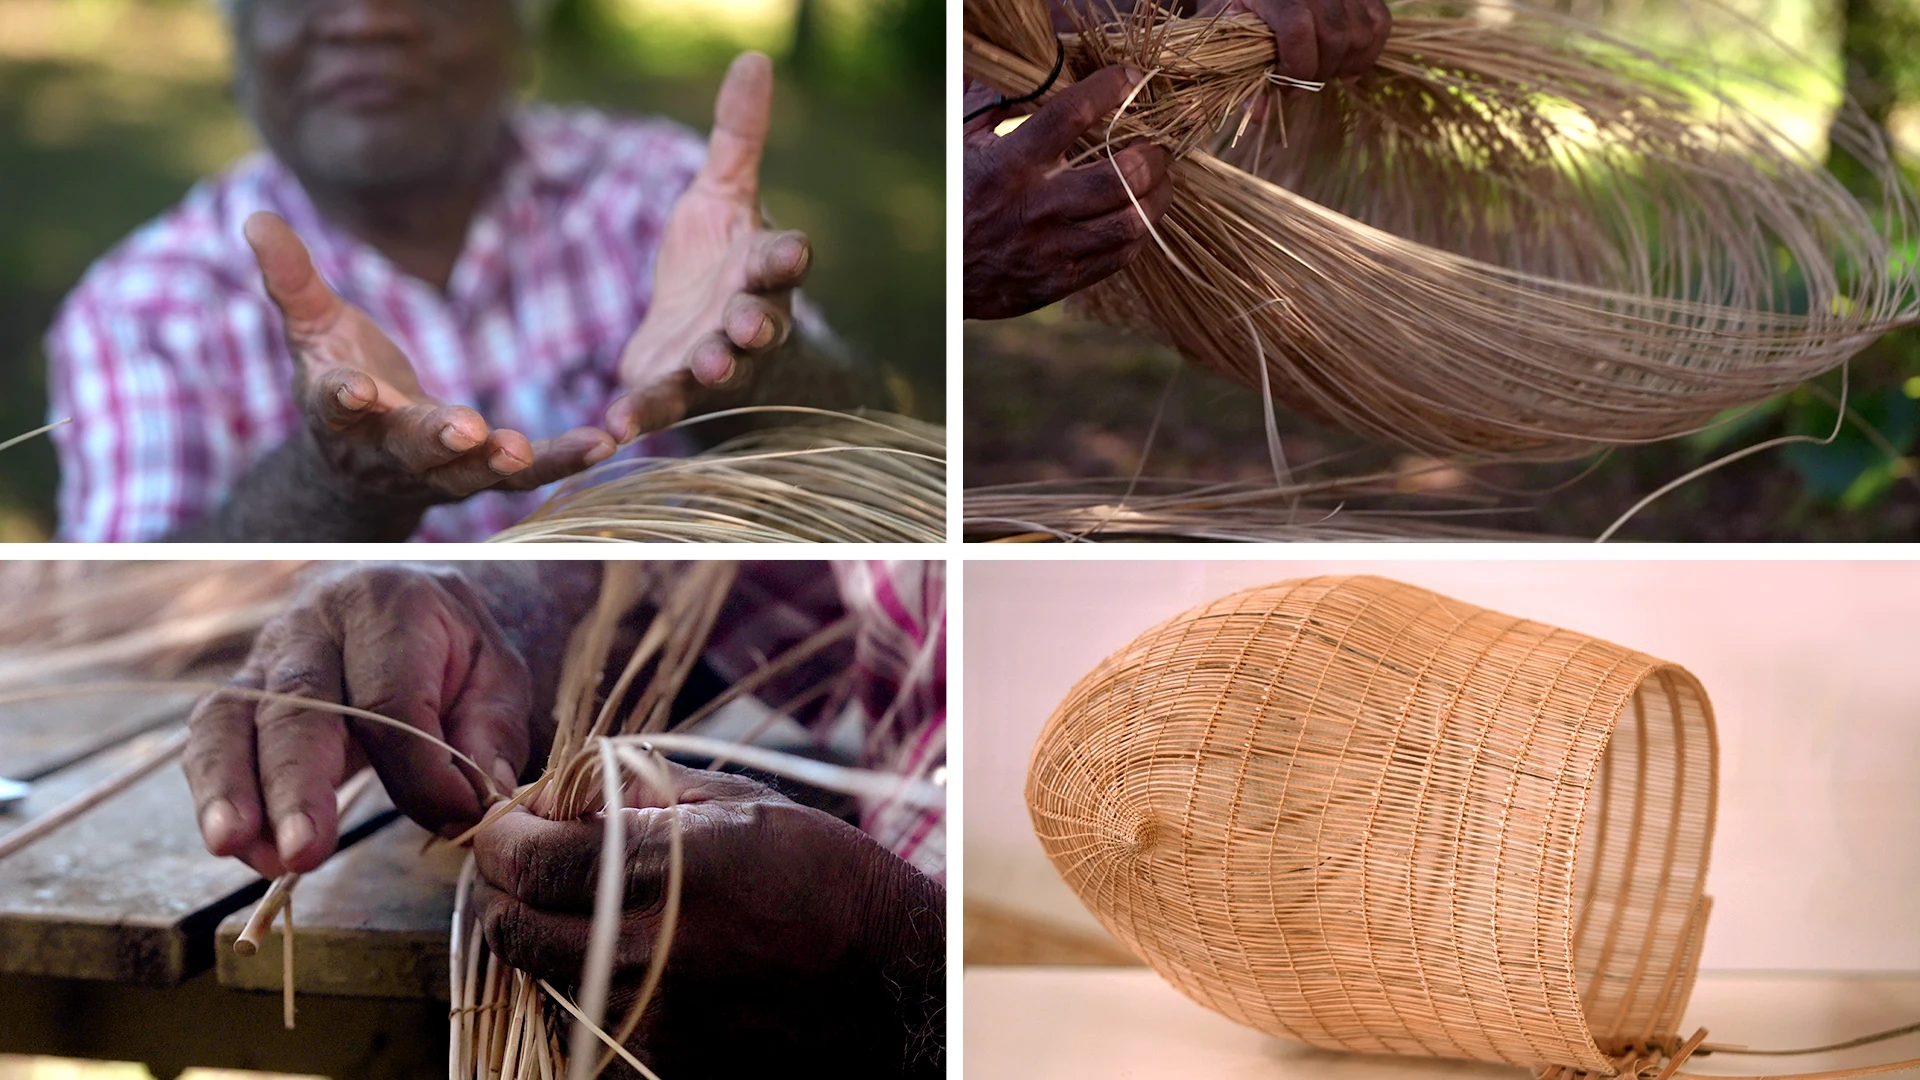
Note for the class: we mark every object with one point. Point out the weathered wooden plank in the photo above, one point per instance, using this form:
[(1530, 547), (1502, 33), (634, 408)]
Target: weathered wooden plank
[(41, 737), (372, 922), (123, 892), (205, 1025), (126, 892)]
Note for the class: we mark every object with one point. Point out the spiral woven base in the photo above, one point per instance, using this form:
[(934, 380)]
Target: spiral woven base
[(1369, 817)]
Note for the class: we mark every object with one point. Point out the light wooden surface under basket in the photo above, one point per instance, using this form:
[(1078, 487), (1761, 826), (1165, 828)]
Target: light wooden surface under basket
[(1045, 1023)]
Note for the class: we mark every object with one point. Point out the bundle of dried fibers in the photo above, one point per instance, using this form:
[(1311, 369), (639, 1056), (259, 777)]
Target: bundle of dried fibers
[(1514, 236), (822, 477)]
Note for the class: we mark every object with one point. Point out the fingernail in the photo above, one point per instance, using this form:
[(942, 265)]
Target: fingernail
[(218, 822), (798, 255), (599, 453), (504, 463), (454, 439), (348, 399), (1134, 76), (294, 835), (504, 773)]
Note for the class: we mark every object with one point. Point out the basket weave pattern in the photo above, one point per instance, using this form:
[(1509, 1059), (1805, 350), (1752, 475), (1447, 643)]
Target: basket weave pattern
[(1369, 817)]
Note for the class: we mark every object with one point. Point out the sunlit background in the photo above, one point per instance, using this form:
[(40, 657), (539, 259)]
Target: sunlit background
[(111, 109)]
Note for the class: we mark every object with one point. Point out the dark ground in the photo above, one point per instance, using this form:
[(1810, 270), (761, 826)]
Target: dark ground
[(1051, 397)]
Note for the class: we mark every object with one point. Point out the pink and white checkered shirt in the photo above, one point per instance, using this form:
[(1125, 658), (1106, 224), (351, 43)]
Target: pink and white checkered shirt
[(888, 706), (171, 361)]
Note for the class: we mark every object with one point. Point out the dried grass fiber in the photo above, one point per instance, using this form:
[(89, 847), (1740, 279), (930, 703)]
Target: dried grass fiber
[(1515, 236), (821, 477), (1076, 511), (1362, 815)]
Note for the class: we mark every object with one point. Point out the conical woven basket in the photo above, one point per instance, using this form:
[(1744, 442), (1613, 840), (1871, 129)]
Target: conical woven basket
[(1369, 817)]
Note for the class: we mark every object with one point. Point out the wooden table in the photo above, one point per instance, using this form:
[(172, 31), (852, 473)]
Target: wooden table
[(1032, 1023), (116, 931)]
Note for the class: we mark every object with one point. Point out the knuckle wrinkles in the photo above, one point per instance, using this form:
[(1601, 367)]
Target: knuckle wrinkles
[(505, 927), (535, 872), (293, 676)]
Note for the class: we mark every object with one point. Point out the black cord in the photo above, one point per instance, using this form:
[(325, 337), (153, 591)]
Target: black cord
[(1001, 101)]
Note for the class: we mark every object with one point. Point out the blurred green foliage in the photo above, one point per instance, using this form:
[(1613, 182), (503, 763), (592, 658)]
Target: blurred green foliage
[(111, 109)]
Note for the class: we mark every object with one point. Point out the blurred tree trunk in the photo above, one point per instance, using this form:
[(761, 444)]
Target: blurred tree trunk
[(1868, 33), (806, 59)]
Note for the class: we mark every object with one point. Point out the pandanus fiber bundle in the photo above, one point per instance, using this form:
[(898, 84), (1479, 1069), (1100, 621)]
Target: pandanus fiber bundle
[(1514, 236), (819, 477), (1362, 815)]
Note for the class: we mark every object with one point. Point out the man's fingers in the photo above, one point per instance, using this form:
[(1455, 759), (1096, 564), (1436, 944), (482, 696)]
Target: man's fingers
[(1295, 39), (401, 660), (554, 865), (423, 437), (341, 397), (741, 116), (1379, 23), (287, 271), (563, 456), (303, 751), (488, 721), (552, 945), (504, 455), (1335, 38), (1095, 189), (715, 361), (221, 771), (642, 411), (1123, 227), (1059, 124), (778, 261), (1096, 268), (755, 324)]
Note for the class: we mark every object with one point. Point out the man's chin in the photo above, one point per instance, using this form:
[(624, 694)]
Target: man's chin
[(378, 151)]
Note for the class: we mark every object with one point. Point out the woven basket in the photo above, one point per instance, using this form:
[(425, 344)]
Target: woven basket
[(1369, 817)]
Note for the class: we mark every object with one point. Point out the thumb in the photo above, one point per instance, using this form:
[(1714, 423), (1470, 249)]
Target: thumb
[(741, 116), (287, 271)]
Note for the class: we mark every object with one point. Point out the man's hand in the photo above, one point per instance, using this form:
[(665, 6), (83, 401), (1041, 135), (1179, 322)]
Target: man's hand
[(723, 283), (1317, 40), (802, 945), (1037, 231), (374, 429), (415, 644)]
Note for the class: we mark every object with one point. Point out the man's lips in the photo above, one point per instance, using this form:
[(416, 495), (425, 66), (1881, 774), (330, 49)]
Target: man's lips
[(365, 91)]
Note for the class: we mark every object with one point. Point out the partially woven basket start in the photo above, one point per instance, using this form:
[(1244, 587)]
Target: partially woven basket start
[(1369, 817)]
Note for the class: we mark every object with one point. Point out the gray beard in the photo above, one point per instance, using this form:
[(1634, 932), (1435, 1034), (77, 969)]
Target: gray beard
[(341, 154)]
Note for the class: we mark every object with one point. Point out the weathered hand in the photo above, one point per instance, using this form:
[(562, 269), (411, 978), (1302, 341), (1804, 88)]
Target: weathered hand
[(412, 643), (373, 427), (1037, 231), (1317, 40), (723, 283), (802, 945)]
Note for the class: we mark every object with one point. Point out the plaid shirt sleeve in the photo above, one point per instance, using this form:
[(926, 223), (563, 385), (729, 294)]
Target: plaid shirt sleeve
[(143, 359), (121, 480), (896, 685), (900, 653)]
